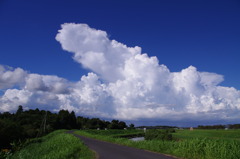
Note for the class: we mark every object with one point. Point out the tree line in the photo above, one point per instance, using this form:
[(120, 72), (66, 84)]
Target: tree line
[(31, 123), (229, 126)]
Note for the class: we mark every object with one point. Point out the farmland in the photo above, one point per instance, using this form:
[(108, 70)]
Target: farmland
[(210, 134), (196, 144)]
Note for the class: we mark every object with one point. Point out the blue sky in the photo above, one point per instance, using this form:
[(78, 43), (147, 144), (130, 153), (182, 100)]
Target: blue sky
[(204, 34), (180, 33)]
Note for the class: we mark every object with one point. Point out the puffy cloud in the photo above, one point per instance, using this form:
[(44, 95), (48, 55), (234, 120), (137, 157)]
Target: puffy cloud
[(12, 98), (24, 88), (124, 84), (10, 77), (35, 82), (95, 51), (139, 86)]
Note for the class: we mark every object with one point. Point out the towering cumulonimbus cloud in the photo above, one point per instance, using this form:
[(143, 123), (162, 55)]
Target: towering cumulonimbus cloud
[(124, 83), (138, 84), (95, 51)]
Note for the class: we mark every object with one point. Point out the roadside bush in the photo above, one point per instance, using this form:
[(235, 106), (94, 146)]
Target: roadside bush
[(158, 135)]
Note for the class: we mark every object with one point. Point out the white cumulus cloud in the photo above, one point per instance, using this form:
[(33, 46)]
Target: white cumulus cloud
[(10, 77), (95, 51), (124, 83)]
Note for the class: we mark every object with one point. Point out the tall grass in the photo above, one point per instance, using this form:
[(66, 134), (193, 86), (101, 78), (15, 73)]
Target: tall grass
[(212, 134), (190, 148), (207, 149), (56, 145)]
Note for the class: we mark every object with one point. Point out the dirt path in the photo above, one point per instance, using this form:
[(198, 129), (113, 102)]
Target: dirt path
[(106, 150)]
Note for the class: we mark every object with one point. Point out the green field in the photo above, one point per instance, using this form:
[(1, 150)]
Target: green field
[(210, 134), (56, 145), (196, 144)]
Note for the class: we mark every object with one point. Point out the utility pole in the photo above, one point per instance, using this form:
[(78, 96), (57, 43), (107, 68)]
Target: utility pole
[(42, 129), (45, 120)]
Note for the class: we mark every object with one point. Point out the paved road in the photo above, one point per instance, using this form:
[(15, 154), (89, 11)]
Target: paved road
[(107, 150)]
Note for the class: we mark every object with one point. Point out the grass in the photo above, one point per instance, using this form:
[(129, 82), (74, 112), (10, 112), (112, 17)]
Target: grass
[(204, 148), (116, 133), (56, 145), (211, 134), (197, 144)]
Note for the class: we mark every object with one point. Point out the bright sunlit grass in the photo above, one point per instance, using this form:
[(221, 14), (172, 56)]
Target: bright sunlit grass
[(57, 145), (197, 144)]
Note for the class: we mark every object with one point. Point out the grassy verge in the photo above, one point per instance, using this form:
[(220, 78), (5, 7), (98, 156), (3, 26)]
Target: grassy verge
[(191, 148), (56, 145)]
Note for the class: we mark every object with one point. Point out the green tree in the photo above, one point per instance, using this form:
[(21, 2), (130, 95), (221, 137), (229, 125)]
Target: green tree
[(73, 120), (114, 124), (66, 120), (9, 132), (122, 125), (131, 126), (20, 110)]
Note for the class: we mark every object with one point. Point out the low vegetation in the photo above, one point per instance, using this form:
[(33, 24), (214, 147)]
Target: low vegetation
[(230, 134), (56, 145), (115, 133), (200, 146), (24, 135), (157, 134), (23, 125)]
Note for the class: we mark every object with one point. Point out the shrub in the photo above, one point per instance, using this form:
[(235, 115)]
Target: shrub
[(158, 135)]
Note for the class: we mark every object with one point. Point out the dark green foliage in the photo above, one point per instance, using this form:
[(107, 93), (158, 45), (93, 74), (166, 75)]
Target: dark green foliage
[(122, 125), (131, 126), (96, 123), (32, 123), (80, 122), (115, 124), (158, 127), (155, 134), (35, 123), (9, 131), (211, 127), (73, 120), (66, 120), (6, 115), (20, 110), (116, 133), (171, 130), (234, 126)]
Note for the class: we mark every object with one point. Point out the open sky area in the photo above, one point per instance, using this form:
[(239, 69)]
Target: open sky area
[(165, 62)]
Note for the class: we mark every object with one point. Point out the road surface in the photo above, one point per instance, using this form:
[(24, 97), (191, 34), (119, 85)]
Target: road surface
[(106, 150)]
